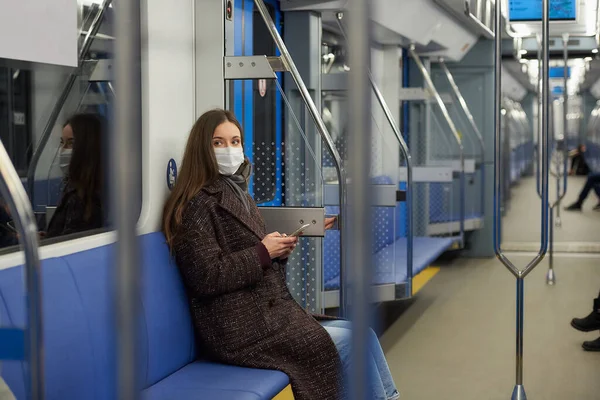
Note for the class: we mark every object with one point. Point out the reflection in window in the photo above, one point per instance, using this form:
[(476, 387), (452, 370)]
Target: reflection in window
[(67, 191), (80, 157), (15, 121)]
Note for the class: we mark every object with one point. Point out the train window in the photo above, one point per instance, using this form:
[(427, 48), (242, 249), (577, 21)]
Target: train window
[(265, 122), (15, 123), (60, 160)]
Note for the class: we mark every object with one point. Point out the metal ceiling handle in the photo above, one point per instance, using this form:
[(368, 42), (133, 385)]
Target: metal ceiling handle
[(453, 130), (409, 170), (519, 389), (323, 132)]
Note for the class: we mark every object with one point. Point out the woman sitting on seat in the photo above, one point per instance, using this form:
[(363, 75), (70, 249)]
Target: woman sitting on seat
[(80, 207), (234, 273)]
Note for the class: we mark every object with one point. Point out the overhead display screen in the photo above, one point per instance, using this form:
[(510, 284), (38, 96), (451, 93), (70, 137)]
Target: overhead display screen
[(559, 72), (531, 10)]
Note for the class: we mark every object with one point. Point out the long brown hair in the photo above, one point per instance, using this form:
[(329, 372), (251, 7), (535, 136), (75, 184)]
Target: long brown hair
[(198, 168), (86, 166)]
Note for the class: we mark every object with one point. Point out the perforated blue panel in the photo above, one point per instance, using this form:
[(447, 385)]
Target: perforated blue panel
[(426, 250)]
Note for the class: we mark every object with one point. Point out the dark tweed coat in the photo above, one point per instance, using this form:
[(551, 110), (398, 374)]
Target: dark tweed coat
[(69, 216), (243, 311)]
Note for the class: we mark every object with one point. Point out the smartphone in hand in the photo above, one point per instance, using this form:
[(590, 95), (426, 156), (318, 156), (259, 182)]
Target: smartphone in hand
[(298, 231)]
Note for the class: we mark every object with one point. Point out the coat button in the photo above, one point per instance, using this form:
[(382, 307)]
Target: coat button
[(271, 302)]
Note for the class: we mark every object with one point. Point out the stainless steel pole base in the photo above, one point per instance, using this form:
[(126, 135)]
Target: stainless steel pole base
[(550, 277), (519, 393)]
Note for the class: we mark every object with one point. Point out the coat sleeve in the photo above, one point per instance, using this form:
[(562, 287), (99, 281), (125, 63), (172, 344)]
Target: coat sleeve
[(206, 269)]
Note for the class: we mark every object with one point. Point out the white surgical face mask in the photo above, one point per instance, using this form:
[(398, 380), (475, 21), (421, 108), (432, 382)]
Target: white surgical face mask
[(65, 160), (229, 159)]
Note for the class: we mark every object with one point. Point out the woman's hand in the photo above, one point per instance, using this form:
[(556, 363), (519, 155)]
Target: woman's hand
[(329, 222), (278, 245)]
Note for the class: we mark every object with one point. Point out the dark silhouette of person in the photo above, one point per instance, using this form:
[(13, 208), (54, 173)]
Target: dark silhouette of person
[(81, 205)]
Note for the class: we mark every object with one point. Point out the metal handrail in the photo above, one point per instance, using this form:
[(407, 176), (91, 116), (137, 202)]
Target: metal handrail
[(409, 171), (467, 111), (20, 208), (125, 189), (488, 33), (62, 98), (519, 390), (323, 132), (454, 131)]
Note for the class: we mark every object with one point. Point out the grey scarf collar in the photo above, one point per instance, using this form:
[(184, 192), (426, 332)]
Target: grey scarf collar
[(238, 182)]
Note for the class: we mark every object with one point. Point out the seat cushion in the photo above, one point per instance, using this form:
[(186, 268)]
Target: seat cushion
[(168, 323), (67, 344), (203, 380), (94, 277)]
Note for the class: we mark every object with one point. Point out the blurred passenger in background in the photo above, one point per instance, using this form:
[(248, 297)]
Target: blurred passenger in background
[(592, 182), (579, 166), (80, 207), (235, 274), (589, 324)]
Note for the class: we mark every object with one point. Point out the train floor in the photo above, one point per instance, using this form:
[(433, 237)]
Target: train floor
[(580, 231), (456, 338)]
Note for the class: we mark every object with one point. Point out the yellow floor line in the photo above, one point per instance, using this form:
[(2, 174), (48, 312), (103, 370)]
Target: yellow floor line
[(285, 394), (423, 277)]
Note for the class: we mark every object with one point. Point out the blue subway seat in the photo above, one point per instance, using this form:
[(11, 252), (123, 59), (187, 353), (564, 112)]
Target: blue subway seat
[(390, 262), (389, 246), (442, 217), (79, 328)]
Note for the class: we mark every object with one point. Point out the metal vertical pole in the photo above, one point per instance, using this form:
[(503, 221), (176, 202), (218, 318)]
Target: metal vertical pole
[(540, 91), (409, 170), (551, 275), (565, 119), (125, 192), (478, 9), (360, 204), (519, 390)]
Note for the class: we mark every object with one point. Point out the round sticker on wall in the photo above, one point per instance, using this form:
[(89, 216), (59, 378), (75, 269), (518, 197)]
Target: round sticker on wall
[(171, 173), (262, 87)]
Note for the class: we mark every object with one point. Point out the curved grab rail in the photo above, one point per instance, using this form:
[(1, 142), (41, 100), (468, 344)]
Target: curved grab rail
[(454, 131), (407, 156), (544, 147), (471, 119), (62, 98), (519, 390), (323, 132), (20, 207)]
